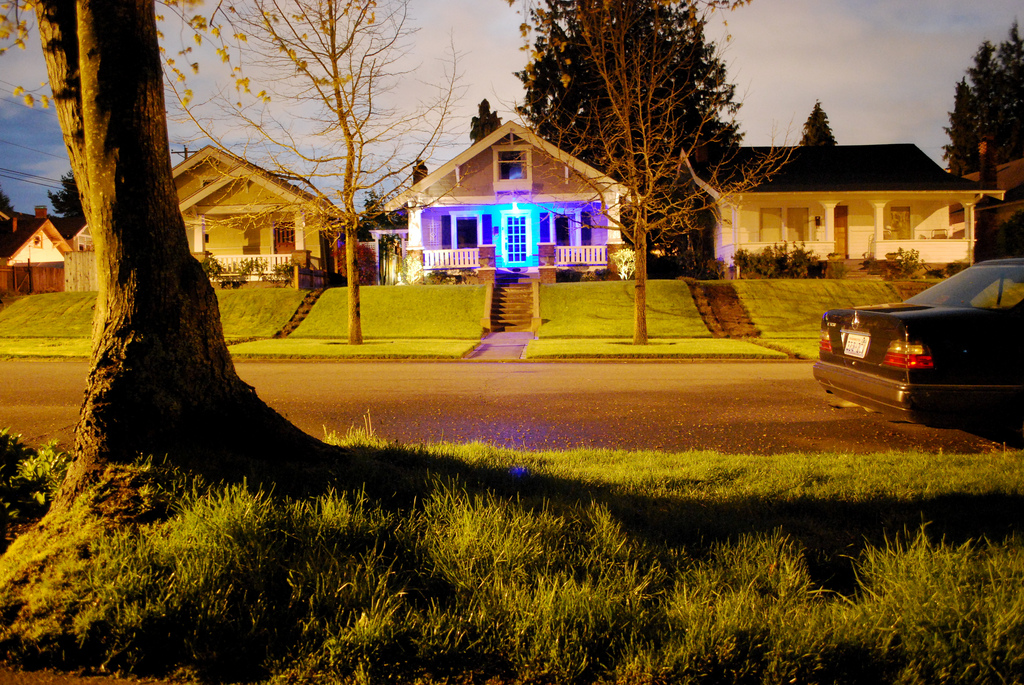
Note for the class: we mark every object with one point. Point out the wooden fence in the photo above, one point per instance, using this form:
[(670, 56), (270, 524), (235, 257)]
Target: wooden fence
[(25, 279), (80, 272)]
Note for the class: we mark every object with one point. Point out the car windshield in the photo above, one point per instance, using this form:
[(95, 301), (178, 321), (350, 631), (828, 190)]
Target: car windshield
[(983, 286)]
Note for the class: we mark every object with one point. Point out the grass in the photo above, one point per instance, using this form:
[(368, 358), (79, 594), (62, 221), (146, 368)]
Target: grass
[(429, 311), (605, 310), (257, 312), (800, 348), (247, 313), (471, 563), (49, 315), (297, 348), (783, 308), (687, 348), (52, 348)]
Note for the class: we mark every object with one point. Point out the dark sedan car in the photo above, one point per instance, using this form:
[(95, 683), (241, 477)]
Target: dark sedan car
[(951, 356)]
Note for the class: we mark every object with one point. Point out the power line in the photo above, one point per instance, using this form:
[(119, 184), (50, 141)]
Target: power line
[(15, 175), (32, 149)]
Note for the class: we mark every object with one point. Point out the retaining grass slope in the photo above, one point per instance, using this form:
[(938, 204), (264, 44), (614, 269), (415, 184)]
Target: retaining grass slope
[(785, 308), (604, 309), (256, 313), (49, 315), (427, 311)]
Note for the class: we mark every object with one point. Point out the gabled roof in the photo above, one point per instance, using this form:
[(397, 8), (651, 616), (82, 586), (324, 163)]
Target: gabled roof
[(237, 168), (523, 134), (13, 238), (69, 227), (1009, 177), (900, 167)]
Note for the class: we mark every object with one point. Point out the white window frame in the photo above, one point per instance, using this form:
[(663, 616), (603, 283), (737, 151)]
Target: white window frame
[(515, 183), (462, 214)]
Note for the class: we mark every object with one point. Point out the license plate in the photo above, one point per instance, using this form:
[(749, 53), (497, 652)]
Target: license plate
[(856, 344)]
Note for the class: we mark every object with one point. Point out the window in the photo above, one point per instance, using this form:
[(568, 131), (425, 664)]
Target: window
[(562, 231), (586, 231), (771, 225), (465, 232), (511, 165), (899, 224), (797, 222), (284, 233), (37, 241)]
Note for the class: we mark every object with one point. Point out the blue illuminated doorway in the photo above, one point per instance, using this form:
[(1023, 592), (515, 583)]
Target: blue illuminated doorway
[(516, 232)]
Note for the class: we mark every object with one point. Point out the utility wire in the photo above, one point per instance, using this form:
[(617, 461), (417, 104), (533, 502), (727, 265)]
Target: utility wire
[(15, 175), (32, 149)]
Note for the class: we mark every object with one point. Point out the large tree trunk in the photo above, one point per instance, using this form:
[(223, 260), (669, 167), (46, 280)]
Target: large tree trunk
[(161, 377)]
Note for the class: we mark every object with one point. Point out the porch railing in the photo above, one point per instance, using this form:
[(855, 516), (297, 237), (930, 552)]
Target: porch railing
[(589, 255), (464, 258)]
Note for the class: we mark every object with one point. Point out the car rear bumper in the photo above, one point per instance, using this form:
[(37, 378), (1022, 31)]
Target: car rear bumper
[(921, 403)]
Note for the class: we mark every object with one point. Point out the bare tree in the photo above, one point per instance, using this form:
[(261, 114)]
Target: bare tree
[(331, 112), (647, 111)]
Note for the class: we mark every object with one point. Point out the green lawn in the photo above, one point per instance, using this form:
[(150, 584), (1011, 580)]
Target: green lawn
[(685, 348), (604, 309), (446, 563), (45, 347), (257, 312), (49, 315), (428, 311), (784, 308), (254, 313), (801, 348), (297, 348)]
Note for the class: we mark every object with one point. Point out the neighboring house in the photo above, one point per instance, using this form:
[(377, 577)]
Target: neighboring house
[(27, 239), (855, 202), (75, 230), (1009, 178), (511, 201), (235, 210)]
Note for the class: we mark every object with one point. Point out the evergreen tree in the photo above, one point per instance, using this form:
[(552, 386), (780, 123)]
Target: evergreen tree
[(816, 128), (989, 102), (66, 201), (486, 122), (5, 203)]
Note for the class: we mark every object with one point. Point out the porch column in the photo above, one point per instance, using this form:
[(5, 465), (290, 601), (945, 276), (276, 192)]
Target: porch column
[(614, 234), (198, 234), (969, 230), (830, 222), (879, 226), (734, 214), (300, 231), (415, 228)]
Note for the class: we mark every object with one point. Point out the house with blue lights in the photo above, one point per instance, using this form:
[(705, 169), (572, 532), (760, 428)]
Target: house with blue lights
[(512, 201)]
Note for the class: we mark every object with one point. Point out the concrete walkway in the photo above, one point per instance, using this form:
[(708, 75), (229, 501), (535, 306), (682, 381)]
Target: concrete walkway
[(502, 345)]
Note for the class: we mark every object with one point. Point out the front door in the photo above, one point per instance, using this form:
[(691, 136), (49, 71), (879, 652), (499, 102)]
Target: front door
[(516, 234), (842, 223)]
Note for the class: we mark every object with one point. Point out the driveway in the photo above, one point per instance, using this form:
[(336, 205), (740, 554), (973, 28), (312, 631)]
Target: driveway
[(747, 407)]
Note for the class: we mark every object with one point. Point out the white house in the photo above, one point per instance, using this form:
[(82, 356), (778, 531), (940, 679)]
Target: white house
[(854, 201)]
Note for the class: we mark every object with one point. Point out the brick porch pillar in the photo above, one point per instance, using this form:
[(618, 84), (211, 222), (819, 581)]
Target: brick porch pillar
[(547, 268)]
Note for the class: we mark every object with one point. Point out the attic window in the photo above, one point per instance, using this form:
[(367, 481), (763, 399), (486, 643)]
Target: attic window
[(37, 241), (511, 165)]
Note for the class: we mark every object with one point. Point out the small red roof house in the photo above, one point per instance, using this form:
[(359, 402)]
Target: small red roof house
[(28, 239)]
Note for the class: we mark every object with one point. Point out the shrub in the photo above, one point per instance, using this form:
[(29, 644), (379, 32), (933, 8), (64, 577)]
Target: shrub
[(251, 266), (281, 274), (450, 277), (693, 264), (901, 264), (28, 479), (625, 262), (211, 267), (954, 268), (777, 261)]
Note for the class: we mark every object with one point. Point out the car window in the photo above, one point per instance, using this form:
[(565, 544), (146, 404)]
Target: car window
[(984, 286)]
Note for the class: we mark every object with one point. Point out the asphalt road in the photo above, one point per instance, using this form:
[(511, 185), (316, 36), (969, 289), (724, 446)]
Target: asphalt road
[(744, 407)]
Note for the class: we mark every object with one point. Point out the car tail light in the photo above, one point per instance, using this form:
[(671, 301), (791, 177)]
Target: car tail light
[(825, 342), (908, 355)]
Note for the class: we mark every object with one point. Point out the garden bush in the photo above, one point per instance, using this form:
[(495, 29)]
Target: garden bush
[(778, 261)]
